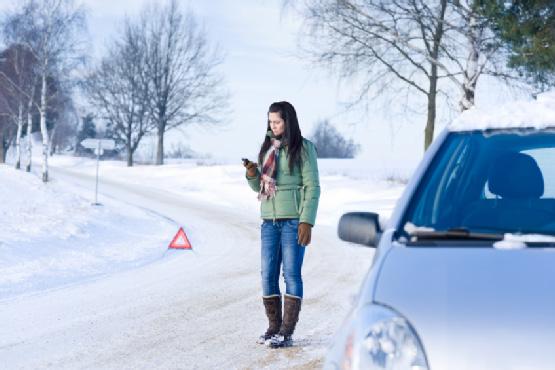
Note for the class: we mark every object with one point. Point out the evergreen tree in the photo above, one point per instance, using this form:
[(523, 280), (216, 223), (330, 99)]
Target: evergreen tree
[(527, 27), (88, 130)]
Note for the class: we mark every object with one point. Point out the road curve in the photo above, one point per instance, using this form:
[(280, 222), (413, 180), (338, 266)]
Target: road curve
[(199, 310)]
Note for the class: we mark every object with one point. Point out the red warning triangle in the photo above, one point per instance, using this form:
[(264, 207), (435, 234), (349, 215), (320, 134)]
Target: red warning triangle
[(180, 241)]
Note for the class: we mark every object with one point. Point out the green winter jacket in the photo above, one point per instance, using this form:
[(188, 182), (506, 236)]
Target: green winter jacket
[(297, 192)]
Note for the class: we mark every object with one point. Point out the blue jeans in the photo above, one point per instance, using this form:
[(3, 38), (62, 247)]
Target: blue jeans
[(280, 246)]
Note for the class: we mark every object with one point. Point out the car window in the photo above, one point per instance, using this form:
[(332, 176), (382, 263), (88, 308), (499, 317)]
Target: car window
[(494, 181), (545, 157)]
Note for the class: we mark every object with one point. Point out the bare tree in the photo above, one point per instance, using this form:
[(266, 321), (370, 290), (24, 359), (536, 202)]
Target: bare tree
[(7, 121), (159, 75), (416, 44), (184, 87), (382, 40), (17, 83), (119, 89), (31, 107), (50, 30), (62, 135), (7, 126)]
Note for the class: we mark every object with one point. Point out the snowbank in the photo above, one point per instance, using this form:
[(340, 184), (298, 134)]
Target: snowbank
[(50, 235), (539, 113)]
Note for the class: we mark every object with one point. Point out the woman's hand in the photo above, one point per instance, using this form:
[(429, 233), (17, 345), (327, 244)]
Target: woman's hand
[(251, 168), (305, 233)]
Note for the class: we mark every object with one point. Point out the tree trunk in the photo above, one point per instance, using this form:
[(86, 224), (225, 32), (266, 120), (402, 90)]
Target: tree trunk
[(432, 92), (471, 73), (80, 124), (129, 155), (29, 131), (18, 137), (52, 146), (467, 100), (430, 122), (29, 138), (2, 151), (160, 147), (43, 130)]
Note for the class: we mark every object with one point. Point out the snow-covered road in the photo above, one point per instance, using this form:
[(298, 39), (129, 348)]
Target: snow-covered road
[(187, 310)]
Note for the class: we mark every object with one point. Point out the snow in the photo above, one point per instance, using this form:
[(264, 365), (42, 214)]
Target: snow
[(53, 236), (517, 241), (539, 113), (96, 287)]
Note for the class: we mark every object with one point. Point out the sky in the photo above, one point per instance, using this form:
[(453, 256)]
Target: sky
[(262, 65)]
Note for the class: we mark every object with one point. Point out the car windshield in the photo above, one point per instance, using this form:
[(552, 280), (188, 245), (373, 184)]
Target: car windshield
[(487, 182)]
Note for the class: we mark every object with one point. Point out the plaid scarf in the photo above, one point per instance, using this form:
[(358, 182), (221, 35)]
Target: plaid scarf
[(269, 171)]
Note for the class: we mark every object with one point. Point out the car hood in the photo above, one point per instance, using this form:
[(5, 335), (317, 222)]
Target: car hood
[(475, 308)]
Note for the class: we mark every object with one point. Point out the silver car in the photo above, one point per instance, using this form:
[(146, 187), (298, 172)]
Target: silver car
[(464, 272)]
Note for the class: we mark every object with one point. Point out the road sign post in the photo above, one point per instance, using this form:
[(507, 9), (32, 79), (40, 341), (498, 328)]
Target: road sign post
[(98, 145)]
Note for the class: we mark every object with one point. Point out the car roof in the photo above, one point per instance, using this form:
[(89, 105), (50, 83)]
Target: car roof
[(536, 113)]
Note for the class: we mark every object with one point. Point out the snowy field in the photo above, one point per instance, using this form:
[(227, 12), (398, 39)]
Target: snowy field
[(85, 286)]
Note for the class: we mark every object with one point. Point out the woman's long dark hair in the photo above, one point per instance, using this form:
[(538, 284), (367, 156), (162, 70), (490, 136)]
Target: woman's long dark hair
[(291, 135)]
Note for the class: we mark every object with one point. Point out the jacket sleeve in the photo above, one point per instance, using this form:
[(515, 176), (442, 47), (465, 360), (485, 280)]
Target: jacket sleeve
[(311, 184), (254, 182)]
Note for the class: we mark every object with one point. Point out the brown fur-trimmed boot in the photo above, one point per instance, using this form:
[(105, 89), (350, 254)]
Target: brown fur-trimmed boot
[(272, 305), (291, 309)]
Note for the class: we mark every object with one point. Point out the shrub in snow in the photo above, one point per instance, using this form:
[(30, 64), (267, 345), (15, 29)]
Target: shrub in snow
[(180, 150), (330, 143)]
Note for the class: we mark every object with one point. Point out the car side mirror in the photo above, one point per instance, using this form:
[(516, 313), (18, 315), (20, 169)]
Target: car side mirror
[(360, 228)]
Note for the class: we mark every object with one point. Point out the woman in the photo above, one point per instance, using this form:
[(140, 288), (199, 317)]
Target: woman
[(289, 189)]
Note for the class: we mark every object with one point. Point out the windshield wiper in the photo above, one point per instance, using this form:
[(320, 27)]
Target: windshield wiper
[(452, 234)]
